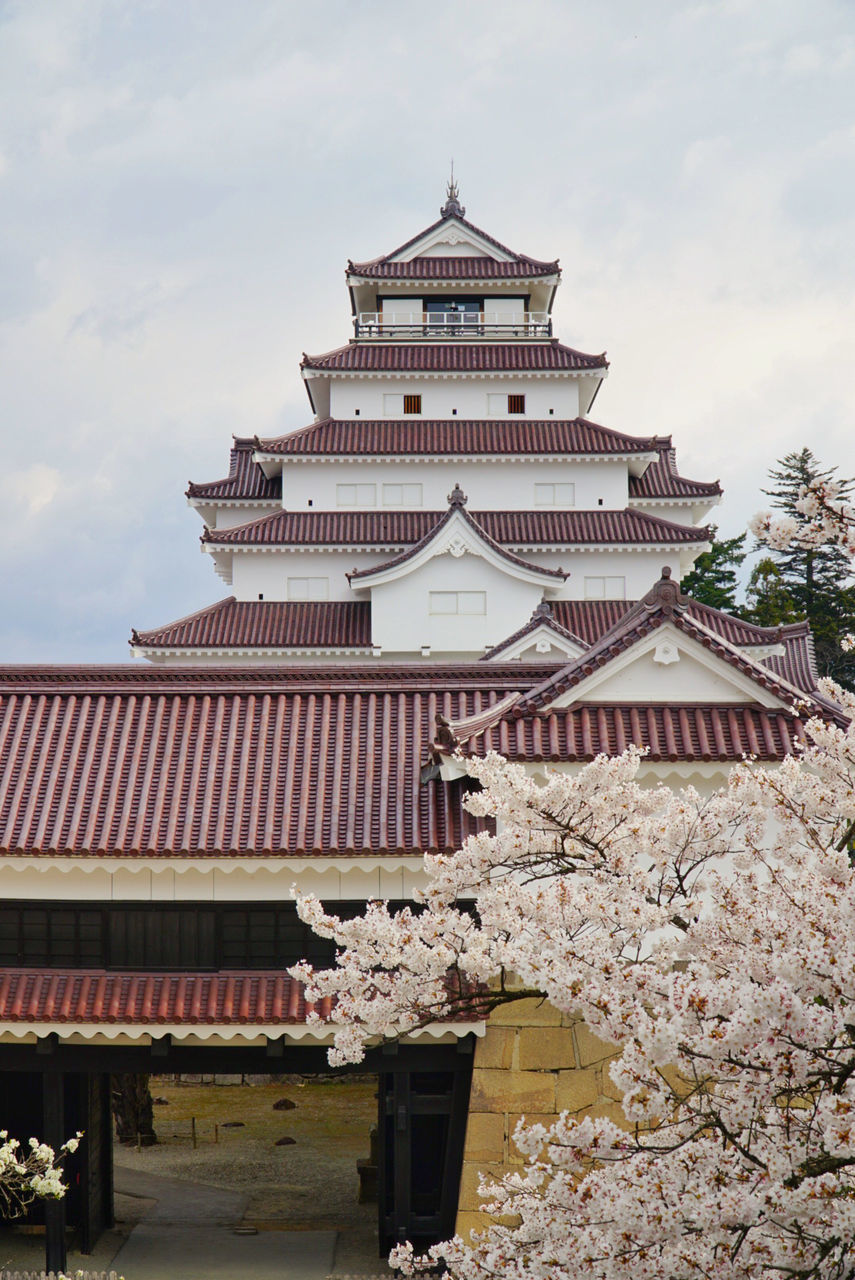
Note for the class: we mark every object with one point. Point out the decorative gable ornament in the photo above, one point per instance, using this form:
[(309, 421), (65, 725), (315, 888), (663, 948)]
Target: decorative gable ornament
[(666, 653)]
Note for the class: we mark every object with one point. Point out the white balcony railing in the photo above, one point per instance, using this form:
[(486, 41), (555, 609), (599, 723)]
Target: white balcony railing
[(453, 324)]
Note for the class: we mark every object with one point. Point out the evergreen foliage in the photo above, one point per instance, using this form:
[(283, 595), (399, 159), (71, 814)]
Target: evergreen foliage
[(712, 579), (813, 582)]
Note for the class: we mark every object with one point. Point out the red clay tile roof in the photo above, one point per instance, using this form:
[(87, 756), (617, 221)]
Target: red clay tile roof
[(663, 603), (591, 619), (677, 733), (478, 528), (399, 529), (662, 480), (426, 437), (543, 616), (245, 478), (150, 999), (360, 268), (135, 762), (266, 624), (454, 357), (465, 268)]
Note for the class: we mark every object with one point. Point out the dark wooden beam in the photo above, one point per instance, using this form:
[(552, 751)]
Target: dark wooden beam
[(53, 1094)]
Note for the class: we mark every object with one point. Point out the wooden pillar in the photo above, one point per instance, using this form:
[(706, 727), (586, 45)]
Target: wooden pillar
[(108, 1207), (53, 1094)]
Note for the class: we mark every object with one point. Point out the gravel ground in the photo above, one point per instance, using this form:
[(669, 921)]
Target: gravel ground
[(310, 1185)]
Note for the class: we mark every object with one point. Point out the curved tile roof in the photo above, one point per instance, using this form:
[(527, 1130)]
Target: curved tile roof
[(364, 437), (510, 528), (481, 533), (450, 219), (462, 268), (451, 356), (662, 480), (693, 733), (226, 998), (254, 763), (245, 479), (266, 624)]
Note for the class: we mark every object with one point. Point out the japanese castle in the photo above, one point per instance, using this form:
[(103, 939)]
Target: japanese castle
[(451, 556)]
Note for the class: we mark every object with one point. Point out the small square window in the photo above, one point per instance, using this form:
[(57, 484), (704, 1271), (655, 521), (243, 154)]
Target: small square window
[(516, 404), (355, 495), (308, 588), (554, 495), (402, 495), (459, 602), (412, 404), (606, 588)]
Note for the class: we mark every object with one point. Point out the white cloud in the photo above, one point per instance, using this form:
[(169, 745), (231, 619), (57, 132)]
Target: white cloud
[(185, 182)]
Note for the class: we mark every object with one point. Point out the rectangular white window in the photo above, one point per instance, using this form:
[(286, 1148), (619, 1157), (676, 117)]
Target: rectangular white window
[(393, 406), (402, 495), (460, 602), (497, 405), (308, 588), (356, 495), (607, 588), (555, 495)]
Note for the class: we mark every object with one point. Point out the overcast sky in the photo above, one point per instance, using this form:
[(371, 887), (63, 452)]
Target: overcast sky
[(182, 182)]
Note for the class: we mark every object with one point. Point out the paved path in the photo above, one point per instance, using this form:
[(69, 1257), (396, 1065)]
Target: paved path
[(189, 1235)]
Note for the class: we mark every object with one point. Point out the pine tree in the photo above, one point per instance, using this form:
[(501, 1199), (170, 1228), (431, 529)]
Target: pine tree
[(712, 578), (815, 581), (768, 602)]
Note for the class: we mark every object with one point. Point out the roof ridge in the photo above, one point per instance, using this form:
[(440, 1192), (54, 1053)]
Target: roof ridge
[(434, 226)]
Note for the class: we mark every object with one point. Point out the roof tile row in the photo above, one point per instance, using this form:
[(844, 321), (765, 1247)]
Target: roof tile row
[(454, 357), (426, 437), (464, 268), (511, 528), (245, 480), (95, 996)]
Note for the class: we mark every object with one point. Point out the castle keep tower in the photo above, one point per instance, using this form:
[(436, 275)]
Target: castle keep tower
[(450, 482)]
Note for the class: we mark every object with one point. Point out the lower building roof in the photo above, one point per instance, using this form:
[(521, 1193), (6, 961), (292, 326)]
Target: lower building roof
[(95, 996)]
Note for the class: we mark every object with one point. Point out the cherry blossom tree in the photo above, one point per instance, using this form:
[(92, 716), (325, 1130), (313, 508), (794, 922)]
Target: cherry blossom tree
[(711, 939), (30, 1173)]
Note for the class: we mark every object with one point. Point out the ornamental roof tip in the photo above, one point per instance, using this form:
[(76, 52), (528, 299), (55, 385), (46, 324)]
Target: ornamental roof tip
[(457, 498), (666, 595), (452, 207), (543, 610)]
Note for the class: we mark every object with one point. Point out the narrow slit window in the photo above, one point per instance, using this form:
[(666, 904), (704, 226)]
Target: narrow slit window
[(516, 404), (412, 404)]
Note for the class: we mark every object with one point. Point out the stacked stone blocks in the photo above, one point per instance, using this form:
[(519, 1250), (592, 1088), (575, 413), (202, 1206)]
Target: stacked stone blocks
[(532, 1062)]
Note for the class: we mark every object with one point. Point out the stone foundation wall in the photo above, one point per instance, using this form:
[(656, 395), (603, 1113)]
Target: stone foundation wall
[(535, 1062)]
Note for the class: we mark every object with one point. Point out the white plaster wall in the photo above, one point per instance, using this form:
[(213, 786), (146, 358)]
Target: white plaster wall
[(267, 572), (230, 517), (400, 617), (646, 680), (641, 569), (186, 880), (678, 514), (493, 485), (467, 395)]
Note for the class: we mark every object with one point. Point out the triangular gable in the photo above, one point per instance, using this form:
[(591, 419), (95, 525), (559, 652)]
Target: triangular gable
[(456, 534), (463, 237), (658, 633), (667, 665), (542, 634)]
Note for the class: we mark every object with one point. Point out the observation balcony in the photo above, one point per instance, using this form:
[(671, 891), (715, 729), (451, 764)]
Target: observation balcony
[(451, 324)]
